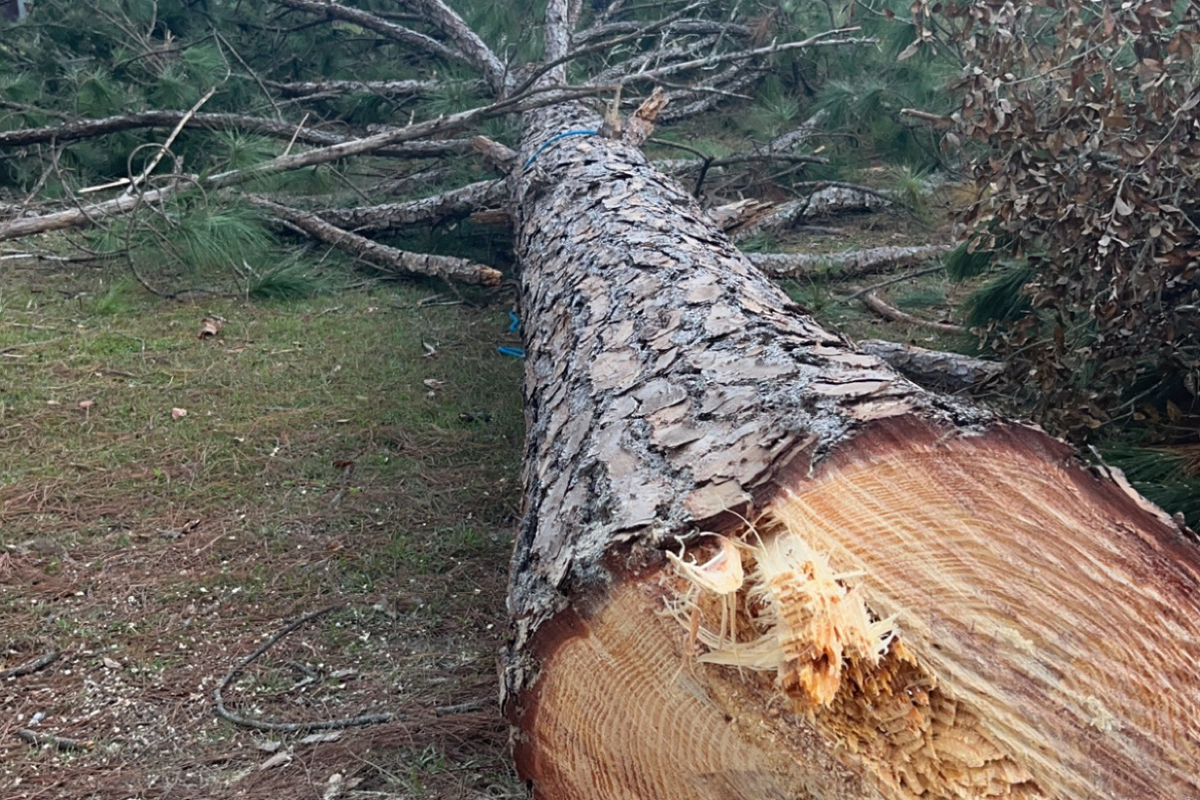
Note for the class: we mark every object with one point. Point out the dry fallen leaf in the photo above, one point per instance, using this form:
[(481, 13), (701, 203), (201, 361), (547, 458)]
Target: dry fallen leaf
[(178, 413), (211, 326), (86, 404), (110, 663)]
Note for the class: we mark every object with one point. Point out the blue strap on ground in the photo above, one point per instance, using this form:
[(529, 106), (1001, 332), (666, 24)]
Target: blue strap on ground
[(515, 352), (554, 139)]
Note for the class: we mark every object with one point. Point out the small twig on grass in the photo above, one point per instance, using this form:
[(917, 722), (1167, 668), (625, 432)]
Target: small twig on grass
[(29, 666), (287, 727), (58, 742), (460, 708)]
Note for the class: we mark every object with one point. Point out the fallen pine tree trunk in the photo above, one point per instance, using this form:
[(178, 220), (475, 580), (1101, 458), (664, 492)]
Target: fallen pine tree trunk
[(756, 563)]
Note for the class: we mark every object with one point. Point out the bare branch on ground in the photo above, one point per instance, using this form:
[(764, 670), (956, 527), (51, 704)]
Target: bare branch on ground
[(850, 264), (50, 740), (888, 311), (306, 89), (82, 216), (379, 255), (826, 199), (41, 662), (453, 204), (76, 130)]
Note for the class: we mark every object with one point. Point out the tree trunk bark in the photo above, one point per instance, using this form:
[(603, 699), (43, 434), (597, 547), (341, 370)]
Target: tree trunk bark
[(755, 563)]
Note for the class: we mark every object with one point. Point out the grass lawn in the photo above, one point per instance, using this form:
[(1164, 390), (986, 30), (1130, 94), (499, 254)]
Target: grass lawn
[(359, 450)]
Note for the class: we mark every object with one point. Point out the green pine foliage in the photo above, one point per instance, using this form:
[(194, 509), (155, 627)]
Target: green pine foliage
[(1170, 476), (963, 262), (1000, 298)]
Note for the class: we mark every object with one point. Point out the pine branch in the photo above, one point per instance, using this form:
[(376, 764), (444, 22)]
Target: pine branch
[(557, 35), (81, 216), (473, 49), (305, 89), (573, 53), (887, 311), (831, 38), (680, 27), (90, 128), (454, 204), (388, 259), (364, 19)]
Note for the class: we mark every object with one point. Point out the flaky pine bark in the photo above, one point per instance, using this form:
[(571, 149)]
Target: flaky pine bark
[(756, 563)]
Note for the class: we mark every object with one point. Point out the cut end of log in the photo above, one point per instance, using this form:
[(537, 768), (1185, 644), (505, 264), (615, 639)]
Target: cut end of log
[(489, 276), (927, 617)]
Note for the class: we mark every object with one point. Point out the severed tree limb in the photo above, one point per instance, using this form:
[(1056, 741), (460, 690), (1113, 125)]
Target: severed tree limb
[(888, 311), (472, 48), (379, 25), (639, 126), (379, 255), (454, 204), (933, 369), (849, 264)]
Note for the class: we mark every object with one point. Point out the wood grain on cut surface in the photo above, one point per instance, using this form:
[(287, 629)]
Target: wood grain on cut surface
[(1041, 595)]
